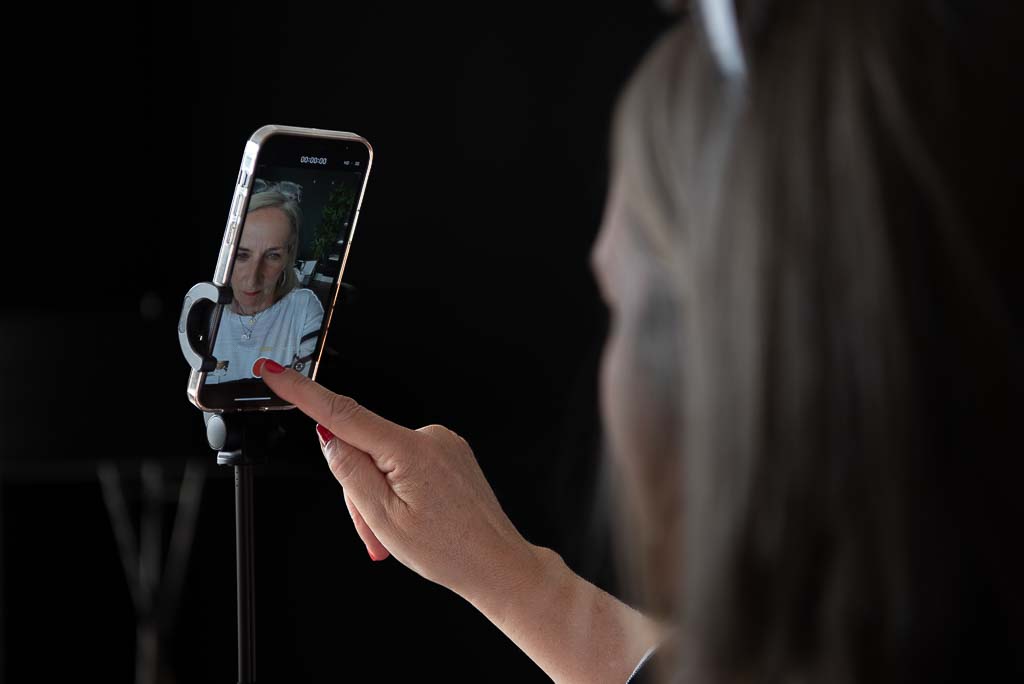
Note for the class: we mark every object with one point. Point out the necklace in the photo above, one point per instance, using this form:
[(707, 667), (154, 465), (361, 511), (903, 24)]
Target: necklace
[(247, 330)]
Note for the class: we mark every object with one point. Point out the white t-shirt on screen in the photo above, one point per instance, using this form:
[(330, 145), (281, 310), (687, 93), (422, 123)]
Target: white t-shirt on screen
[(286, 332)]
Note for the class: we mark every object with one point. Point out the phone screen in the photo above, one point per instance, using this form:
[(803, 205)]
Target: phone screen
[(291, 249)]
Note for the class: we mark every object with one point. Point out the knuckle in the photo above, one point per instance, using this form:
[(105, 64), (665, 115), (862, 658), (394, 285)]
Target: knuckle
[(343, 464), (432, 430), (444, 435), (344, 408)]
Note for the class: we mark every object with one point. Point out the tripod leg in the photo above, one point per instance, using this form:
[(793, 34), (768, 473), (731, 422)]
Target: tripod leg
[(246, 578)]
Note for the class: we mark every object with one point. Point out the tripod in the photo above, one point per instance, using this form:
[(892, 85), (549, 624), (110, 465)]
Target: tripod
[(241, 440)]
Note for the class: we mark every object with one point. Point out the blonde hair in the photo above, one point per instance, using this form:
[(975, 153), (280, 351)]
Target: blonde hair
[(832, 448), (273, 199)]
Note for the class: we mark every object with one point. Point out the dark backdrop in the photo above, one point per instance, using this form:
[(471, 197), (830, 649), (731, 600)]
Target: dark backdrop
[(476, 310)]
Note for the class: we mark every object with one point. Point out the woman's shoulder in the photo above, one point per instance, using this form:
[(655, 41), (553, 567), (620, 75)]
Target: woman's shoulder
[(302, 298)]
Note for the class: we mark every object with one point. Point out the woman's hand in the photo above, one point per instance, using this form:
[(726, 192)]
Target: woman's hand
[(416, 494), (420, 495)]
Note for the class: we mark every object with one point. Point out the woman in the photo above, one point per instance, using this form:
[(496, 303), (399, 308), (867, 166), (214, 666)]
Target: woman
[(270, 315), (812, 379)]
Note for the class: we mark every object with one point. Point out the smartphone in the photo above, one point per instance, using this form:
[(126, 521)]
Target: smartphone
[(289, 229)]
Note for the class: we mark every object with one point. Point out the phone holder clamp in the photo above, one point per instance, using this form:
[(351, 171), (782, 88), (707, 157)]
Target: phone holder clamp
[(192, 331)]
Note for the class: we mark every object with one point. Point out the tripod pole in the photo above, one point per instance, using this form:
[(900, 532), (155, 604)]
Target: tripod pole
[(246, 577)]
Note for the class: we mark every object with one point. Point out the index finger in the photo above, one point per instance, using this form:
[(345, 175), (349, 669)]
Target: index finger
[(342, 415)]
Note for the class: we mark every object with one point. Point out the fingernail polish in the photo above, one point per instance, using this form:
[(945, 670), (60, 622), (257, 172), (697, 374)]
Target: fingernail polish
[(273, 366), (324, 434)]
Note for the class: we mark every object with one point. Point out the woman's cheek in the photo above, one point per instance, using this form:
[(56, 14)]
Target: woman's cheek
[(641, 389), (272, 273), (609, 394), (237, 275), (641, 386), (620, 397)]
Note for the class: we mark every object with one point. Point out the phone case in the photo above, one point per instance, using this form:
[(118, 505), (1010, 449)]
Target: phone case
[(226, 256)]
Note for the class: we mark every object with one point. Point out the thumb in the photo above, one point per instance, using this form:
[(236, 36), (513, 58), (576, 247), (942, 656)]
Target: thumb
[(357, 473)]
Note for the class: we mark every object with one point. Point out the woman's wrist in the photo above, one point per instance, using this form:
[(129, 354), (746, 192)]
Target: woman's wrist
[(570, 628), (511, 577)]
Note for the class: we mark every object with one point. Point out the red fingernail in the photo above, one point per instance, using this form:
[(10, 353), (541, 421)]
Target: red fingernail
[(273, 366), (372, 557), (324, 433), (257, 367)]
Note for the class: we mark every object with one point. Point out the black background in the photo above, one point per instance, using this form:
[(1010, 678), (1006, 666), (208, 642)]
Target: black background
[(476, 310)]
